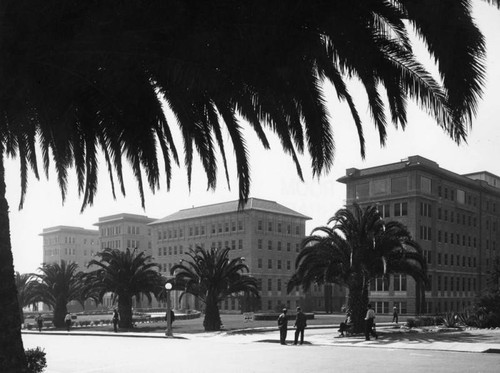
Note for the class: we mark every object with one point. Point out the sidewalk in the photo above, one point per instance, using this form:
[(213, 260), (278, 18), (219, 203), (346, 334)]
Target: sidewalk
[(471, 340)]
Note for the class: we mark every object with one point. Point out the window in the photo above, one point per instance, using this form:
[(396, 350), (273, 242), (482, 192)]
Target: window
[(362, 190), (288, 265), (401, 209), (425, 185), (269, 245), (399, 185), (279, 227), (259, 244), (385, 211), (269, 284), (269, 264), (399, 282), (278, 264), (379, 187), (279, 246), (259, 263), (278, 284), (460, 196), (270, 226)]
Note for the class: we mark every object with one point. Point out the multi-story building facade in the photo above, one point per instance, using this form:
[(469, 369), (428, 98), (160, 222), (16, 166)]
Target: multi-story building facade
[(265, 233), (71, 244), (453, 217), (123, 231)]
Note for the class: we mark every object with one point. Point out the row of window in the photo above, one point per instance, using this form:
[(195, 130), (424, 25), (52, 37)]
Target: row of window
[(383, 307), (454, 238), (279, 264), (278, 227), (383, 284), (67, 240), (200, 230), (456, 260), (447, 306), (65, 251), (279, 245), (116, 230), (398, 209), (445, 283)]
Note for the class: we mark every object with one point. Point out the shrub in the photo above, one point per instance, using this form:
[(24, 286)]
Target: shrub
[(421, 321), (36, 360)]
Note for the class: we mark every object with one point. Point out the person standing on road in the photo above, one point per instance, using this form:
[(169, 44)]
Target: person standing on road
[(395, 315), (370, 323), (300, 325), (67, 321), (116, 318), (39, 322), (283, 326)]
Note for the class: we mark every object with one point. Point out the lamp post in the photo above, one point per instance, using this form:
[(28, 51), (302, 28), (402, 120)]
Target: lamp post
[(168, 332)]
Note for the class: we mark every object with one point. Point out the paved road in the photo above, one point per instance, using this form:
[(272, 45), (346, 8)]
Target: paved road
[(251, 353)]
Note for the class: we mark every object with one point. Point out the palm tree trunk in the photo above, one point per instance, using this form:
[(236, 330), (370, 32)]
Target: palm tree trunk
[(59, 314), (12, 358), (358, 301), (125, 311), (212, 320)]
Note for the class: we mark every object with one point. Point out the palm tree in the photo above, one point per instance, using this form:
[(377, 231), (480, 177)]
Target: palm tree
[(125, 274), (24, 282), (78, 77), (212, 277), (358, 247), (56, 286)]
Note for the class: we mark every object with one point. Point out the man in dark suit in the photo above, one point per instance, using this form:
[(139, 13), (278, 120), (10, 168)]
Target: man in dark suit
[(300, 325), (283, 326)]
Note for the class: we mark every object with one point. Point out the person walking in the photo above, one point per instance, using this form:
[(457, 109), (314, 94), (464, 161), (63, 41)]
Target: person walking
[(300, 325), (283, 326), (67, 321), (39, 322), (395, 315), (370, 323), (116, 319)]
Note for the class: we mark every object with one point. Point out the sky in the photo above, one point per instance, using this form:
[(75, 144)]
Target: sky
[(273, 173)]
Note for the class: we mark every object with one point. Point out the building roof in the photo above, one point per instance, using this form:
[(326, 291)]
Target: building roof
[(230, 207), (68, 229), (124, 217), (473, 180)]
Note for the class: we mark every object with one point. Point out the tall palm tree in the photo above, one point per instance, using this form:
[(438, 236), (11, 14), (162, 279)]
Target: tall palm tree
[(24, 282), (358, 247), (212, 277), (82, 76), (56, 286), (125, 274)]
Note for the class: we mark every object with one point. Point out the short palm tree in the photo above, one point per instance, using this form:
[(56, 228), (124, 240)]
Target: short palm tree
[(56, 286), (212, 277), (24, 282), (358, 247), (124, 274)]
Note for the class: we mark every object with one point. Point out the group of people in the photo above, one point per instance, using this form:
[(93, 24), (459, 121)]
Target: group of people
[(300, 325), (347, 325)]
